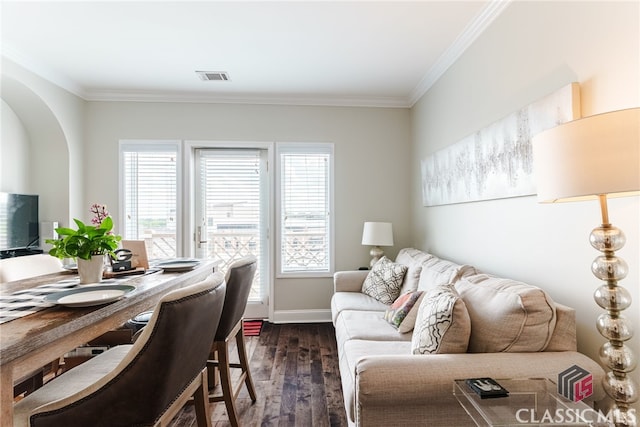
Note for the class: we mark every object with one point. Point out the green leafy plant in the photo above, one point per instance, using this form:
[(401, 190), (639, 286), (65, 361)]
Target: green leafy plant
[(86, 241)]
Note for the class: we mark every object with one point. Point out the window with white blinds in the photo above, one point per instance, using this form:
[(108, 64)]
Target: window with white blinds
[(149, 195), (305, 204)]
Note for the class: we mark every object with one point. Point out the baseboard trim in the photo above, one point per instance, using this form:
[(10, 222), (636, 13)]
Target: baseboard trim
[(302, 316)]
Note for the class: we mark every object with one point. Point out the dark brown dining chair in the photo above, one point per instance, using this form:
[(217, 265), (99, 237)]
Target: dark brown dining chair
[(143, 384), (239, 279)]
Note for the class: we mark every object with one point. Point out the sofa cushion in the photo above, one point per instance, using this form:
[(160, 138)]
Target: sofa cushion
[(413, 259), (354, 301), (436, 271), (398, 311), (507, 315), (443, 324), (366, 325), (384, 280)]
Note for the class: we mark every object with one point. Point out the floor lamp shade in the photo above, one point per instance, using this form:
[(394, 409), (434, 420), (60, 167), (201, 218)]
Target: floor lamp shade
[(595, 158), (588, 157)]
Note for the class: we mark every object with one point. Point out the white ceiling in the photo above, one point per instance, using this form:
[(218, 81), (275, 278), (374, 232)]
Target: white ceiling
[(372, 53)]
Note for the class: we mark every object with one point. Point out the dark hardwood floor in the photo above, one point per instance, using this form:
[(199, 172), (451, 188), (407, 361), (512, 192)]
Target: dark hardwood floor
[(295, 372)]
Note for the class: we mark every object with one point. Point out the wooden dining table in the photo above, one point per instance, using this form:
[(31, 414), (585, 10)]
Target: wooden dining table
[(31, 342)]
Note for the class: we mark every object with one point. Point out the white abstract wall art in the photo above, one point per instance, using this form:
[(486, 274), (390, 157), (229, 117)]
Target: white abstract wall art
[(496, 162)]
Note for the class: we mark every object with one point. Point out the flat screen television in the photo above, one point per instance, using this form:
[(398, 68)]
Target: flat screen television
[(19, 227)]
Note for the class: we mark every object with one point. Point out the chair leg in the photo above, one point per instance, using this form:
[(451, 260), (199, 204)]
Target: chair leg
[(201, 402), (55, 367), (244, 363), (212, 371), (225, 380)]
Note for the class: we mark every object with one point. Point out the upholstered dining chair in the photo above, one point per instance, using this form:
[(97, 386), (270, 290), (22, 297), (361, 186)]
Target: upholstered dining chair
[(239, 278), (143, 384), (26, 267)]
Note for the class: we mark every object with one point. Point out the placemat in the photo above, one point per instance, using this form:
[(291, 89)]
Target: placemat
[(29, 301)]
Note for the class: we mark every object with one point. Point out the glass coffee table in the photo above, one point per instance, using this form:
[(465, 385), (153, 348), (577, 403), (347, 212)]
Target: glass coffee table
[(531, 401)]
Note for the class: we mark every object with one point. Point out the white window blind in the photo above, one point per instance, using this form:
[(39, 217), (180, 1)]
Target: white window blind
[(230, 192), (305, 208), (150, 192)]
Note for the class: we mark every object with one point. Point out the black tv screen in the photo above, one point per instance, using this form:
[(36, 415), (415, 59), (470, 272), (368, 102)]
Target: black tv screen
[(18, 221)]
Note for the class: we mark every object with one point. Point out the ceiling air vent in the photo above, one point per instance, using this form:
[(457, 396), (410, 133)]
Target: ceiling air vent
[(213, 76)]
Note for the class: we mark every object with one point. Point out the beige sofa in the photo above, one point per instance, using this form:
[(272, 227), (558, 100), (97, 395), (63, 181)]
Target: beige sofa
[(516, 331)]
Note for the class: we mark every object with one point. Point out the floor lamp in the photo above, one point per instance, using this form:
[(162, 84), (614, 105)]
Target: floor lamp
[(595, 158)]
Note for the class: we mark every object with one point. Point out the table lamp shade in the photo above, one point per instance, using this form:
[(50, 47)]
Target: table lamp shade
[(377, 234), (588, 157)]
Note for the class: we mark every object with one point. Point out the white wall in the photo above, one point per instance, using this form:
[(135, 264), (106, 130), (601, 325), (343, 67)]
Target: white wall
[(531, 50), (14, 153), (371, 154)]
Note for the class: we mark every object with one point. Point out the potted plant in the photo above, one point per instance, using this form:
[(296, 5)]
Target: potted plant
[(88, 245)]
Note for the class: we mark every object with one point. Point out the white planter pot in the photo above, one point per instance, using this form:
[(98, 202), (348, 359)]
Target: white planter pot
[(90, 271)]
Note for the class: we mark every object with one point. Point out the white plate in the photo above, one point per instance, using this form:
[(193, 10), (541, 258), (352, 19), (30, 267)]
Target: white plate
[(89, 296), (178, 265)]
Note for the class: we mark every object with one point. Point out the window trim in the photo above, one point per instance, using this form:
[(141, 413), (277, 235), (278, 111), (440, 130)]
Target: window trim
[(142, 145), (308, 148)]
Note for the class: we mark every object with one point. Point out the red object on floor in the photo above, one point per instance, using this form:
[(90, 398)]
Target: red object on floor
[(252, 328)]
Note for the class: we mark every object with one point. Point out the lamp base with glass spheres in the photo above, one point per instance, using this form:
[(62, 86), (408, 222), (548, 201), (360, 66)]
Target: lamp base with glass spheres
[(612, 325)]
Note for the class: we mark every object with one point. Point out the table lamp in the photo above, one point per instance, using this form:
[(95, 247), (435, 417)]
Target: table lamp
[(377, 234), (594, 158)]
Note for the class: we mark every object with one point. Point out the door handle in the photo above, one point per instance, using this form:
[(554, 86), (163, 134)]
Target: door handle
[(199, 239)]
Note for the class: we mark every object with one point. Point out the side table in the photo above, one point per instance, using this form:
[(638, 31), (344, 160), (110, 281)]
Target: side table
[(531, 402)]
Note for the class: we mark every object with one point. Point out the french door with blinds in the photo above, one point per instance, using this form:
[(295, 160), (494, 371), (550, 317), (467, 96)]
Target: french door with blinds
[(232, 213), (220, 200)]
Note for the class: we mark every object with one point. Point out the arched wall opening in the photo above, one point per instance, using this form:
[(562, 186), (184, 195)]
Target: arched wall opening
[(47, 159)]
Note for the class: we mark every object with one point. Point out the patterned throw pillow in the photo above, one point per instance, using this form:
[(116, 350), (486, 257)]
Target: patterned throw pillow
[(401, 307), (443, 324), (384, 280), (410, 320)]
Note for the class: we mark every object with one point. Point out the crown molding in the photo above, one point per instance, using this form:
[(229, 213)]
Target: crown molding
[(58, 79), (476, 27), (274, 99)]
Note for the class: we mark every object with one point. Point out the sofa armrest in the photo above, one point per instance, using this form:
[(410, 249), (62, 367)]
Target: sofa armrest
[(425, 383), (349, 281)]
